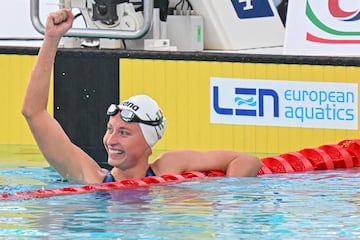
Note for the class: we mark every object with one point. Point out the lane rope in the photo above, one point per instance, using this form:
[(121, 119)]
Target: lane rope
[(345, 154)]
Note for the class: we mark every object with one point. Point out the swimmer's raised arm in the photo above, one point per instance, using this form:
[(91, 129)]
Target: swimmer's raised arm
[(37, 93), (69, 160)]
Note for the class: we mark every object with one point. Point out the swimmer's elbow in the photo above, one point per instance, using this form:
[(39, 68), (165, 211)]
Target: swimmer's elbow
[(257, 165), (244, 166), (25, 112), (29, 111), (254, 164)]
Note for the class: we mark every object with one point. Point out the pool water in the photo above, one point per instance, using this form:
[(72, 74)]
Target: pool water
[(311, 205)]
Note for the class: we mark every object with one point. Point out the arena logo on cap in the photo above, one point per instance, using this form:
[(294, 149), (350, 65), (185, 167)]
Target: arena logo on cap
[(284, 103), (334, 24), (252, 8), (130, 105)]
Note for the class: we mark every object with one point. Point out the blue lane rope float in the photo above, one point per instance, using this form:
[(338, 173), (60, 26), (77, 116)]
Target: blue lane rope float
[(345, 154)]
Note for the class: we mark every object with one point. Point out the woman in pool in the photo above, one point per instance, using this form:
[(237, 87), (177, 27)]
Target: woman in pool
[(134, 126)]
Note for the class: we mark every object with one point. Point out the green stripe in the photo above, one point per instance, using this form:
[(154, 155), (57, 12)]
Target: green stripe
[(310, 14), (198, 34)]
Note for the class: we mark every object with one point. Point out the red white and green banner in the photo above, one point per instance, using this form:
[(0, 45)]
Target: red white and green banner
[(323, 27)]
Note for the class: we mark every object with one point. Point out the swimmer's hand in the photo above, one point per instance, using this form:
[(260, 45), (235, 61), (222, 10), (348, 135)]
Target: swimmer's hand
[(58, 23), (60, 17)]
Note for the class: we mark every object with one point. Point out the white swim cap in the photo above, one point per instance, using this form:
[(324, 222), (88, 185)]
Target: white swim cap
[(146, 109)]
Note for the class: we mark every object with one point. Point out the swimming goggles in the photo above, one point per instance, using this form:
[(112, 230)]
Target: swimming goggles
[(129, 116)]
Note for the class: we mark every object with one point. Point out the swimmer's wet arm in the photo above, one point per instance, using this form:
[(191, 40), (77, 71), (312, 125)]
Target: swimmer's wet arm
[(70, 161), (234, 164)]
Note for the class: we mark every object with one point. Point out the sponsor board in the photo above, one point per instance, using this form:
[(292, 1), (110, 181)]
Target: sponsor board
[(284, 103), (193, 123)]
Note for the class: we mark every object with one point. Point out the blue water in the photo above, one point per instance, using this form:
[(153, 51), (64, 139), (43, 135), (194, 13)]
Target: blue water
[(313, 205)]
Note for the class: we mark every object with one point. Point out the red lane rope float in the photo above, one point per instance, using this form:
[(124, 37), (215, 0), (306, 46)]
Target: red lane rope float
[(339, 155), (345, 154), (353, 147), (277, 164), (298, 161), (319, 158), (123, 184)]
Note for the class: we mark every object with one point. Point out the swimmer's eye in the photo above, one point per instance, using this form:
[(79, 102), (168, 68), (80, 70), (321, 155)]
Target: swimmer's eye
[(124, 133)]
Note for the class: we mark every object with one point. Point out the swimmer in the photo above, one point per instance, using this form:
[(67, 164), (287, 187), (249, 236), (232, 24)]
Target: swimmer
[(133, 128)]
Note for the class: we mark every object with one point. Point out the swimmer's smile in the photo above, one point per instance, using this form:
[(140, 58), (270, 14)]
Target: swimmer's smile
[(116, 151)]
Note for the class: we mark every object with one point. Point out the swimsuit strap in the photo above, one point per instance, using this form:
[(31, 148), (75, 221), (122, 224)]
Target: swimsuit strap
[(108, 178), (150, 172)]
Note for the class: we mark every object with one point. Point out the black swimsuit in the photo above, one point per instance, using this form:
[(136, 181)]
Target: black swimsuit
[(110, 178)]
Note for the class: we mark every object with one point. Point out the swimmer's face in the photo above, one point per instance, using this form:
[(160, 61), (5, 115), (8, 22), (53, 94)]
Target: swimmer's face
[(124, 143)]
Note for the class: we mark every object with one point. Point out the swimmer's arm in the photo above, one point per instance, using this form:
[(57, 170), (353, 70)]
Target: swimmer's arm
[(37, 92), (69, 160), (234, 164)]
